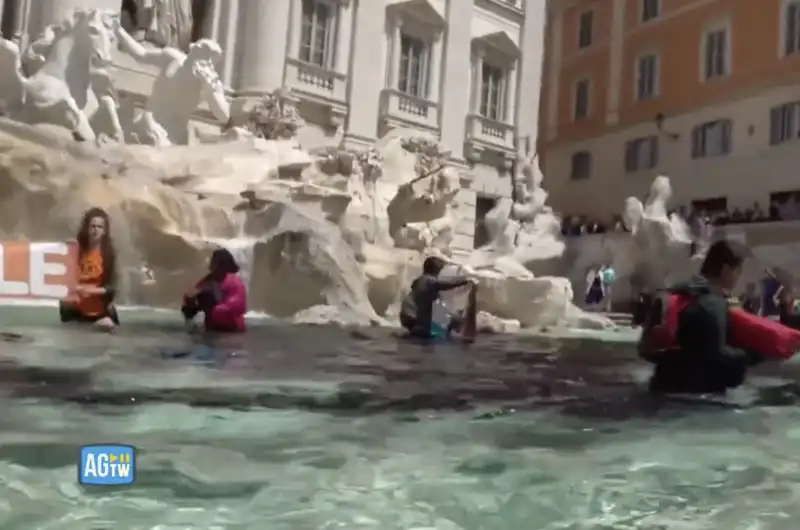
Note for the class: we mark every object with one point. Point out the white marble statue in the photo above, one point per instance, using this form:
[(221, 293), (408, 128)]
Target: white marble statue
[(183, 82), (274, 117), (523, 229), (161, 22), (67, 80), (421, 210), (662, 242)]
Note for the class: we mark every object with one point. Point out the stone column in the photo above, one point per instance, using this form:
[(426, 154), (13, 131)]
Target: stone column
[(19, 31), (364, 99), (344, 36), (395, 52), (530, 74), (477, 82), (8, 10), (512, 79), (227, 32), (211, 22), (295, 29), (264, 45), (2, 10), (455, 77), (434, 88)]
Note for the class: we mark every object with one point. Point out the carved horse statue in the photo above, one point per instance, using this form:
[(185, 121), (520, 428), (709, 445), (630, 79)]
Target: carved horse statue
[(67, 81)]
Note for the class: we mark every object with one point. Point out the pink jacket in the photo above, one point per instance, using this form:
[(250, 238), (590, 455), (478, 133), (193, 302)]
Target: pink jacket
[(228, 314)]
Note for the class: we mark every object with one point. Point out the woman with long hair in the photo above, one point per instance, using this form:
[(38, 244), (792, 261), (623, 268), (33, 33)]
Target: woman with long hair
[(221, 296), (96, 286)]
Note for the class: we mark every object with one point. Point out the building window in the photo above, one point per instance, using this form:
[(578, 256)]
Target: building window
[(650, 9), (414, 65), (647, 77), (585, 24), (581, 105), (317, 33), (712, 139), (581, 165), (493, 93), (715, 57), (641, 154), (792, 28), (483, 205), (784, 123)]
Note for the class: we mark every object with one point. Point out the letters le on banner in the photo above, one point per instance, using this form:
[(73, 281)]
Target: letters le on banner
[(38, 270)]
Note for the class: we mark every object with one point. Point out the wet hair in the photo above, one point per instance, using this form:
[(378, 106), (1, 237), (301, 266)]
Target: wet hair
[(106, 244), (223, 261), (723, 253), (433, 265)]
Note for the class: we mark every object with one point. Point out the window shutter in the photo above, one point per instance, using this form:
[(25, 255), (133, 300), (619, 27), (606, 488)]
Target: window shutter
[(775, 125), (630, 156), (653, 152), (697, 141), (791, 28), (727, 136)]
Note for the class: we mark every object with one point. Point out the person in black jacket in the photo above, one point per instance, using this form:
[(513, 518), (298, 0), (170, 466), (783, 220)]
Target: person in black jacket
[(416, 311), (704, 362)]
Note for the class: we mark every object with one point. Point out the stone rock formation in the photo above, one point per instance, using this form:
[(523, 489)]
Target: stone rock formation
[(328, 235)]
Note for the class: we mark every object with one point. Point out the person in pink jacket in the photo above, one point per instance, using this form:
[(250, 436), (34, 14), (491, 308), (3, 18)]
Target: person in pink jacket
[(221, 296)]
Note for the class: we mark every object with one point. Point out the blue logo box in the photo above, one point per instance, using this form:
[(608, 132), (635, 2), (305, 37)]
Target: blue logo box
[(107, 465)]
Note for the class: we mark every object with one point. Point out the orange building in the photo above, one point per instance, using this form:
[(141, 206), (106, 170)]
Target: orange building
[(704, 91)]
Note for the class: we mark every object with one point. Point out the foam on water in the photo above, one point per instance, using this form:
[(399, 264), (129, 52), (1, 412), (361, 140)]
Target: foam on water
[(25, 302), (242, 249)]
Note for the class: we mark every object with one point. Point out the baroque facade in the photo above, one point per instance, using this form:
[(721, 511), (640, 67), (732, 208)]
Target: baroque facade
[(703, 91), (467, 71)]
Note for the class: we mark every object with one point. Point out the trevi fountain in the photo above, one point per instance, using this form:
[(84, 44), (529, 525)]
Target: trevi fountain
[(305, 426)]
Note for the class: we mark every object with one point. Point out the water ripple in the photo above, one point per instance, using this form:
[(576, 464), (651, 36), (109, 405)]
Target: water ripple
[(314, 428)]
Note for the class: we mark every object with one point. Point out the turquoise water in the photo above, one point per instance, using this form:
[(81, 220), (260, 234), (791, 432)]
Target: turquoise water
[(315, 428)]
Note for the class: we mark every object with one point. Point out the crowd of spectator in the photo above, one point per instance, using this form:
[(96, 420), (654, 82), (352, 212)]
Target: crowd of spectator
[(573, 225), (778, 211)]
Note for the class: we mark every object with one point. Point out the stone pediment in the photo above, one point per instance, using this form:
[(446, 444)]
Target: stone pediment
[(420, 10), (500, 41)]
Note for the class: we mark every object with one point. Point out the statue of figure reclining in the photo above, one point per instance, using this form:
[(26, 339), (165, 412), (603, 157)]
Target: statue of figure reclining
[(183, 82)]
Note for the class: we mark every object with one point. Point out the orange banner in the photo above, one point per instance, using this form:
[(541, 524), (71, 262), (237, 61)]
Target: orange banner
[(38, 270)]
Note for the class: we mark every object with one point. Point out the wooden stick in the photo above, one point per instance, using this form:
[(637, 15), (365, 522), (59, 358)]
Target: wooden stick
[(426, 175), (471, 316)]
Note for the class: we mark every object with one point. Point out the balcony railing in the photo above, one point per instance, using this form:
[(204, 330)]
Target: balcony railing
[(485, 134), (316, 82), (517, 6), (401, 109)]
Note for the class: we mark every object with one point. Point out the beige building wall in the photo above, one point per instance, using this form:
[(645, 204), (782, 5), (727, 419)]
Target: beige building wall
[(757, 73)]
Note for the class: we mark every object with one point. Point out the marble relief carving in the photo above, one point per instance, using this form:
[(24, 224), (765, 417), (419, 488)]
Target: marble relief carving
[(163, 23)]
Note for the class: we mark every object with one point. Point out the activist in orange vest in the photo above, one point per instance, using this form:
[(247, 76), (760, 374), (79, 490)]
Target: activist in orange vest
[(96, 274), (688, 332)]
